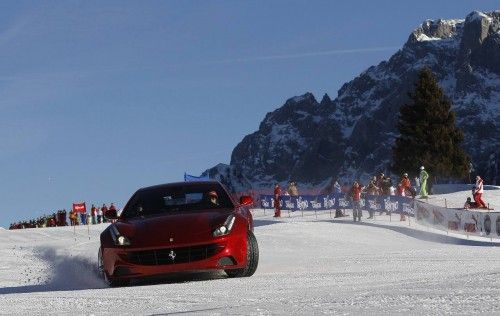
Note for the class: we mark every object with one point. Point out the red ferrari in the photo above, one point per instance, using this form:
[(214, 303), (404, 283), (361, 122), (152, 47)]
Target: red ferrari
[(186, 226)]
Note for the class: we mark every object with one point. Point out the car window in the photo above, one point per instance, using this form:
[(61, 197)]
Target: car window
[(188, 198)]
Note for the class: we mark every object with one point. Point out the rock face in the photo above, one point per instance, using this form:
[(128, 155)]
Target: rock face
[(352, 136)]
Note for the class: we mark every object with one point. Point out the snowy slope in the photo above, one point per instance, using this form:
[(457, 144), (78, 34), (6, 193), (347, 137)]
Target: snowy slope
[(309, 265)]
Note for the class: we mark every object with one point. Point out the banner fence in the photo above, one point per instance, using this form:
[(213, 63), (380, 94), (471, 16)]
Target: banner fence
[(390, 203), (459, 221)]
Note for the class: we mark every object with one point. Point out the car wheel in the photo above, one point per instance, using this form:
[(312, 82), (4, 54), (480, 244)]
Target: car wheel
[(252, 259), (102, 273)]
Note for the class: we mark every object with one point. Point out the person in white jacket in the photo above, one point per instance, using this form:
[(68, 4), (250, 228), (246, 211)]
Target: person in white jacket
[(478, 193)]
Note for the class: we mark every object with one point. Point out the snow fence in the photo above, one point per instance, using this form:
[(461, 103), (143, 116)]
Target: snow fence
[(461, 221), (391, 203)]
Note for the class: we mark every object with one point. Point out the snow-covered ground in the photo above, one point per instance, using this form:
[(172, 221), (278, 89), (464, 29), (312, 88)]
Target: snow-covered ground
[(308, 265)]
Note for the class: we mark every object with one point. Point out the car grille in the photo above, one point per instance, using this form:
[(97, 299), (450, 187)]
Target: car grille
[(169, 256)]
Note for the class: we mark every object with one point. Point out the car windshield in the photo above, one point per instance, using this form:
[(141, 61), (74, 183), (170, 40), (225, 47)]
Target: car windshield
[(182, 198)]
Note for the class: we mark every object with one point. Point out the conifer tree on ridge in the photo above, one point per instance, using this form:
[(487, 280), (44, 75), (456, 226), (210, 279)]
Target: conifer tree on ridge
[(428, 135)]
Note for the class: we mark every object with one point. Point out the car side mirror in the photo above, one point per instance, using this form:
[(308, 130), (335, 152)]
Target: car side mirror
[(246, 200), (111, 214)]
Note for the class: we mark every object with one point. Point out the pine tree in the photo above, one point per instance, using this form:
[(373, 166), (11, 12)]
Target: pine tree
[(428, 135)]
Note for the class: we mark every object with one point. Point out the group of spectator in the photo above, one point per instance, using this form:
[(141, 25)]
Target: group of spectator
[(382, 185), (55, 219), (291, 190), (378, 185), (95, 216)]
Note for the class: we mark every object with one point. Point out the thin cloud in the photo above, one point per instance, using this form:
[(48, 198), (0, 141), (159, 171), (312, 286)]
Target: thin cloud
[(305, 55)]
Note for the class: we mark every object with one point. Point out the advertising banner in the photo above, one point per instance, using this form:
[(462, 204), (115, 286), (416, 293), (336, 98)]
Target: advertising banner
[(79, 207), (462, 221), (392, 203)]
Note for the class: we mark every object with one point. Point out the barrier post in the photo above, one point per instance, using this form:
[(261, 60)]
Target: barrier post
[(330, 213), (445, 203), (289, 213), (315, 214)]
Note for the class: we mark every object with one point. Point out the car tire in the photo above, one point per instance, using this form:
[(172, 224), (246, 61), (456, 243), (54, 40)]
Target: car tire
[(252, 259), (104, 276)]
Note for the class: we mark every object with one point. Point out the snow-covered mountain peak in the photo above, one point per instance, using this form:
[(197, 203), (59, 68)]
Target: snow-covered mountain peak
[(436, 30), (479, 16), (352, 136)]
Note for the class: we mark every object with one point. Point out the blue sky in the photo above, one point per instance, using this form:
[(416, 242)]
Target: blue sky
[(99, 98)]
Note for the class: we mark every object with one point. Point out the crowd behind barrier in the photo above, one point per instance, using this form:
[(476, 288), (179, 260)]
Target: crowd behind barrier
[(55, 219), (63, 218)]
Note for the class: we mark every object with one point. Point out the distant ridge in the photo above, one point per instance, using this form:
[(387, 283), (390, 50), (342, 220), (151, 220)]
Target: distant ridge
[(352, 136)]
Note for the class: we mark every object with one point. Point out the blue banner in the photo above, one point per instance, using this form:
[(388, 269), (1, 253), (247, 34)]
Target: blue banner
[(188, 177), (391, 203)]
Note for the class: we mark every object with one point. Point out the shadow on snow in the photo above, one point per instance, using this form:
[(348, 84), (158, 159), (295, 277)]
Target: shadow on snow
[(422, 235)]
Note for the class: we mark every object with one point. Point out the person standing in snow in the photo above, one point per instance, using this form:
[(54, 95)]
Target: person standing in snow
[(356, 200), (405, 185), (93, 212), (423, 182), (337, 191), (83, 218), (417, 184), (372, 190), (337, 188), (112, 207), (277, 198), (99, 215), (380, 183), (104, 209), (404, 189), (478, 192), (292, 189)]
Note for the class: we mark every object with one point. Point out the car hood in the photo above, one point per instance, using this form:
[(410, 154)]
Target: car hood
[(172, 229)]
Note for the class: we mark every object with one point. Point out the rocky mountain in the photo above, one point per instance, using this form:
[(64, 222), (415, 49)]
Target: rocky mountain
[(352, 136)]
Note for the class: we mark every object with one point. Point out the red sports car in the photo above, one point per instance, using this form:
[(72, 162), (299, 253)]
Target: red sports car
[(186, 226)]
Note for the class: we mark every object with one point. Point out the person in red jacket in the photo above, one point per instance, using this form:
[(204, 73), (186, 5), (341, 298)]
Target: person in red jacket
[(104, 209), (277, 198), (404, 189), (93, 213), (356, 200)]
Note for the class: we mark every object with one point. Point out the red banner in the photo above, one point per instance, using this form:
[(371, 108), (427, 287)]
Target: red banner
[(79, 207)]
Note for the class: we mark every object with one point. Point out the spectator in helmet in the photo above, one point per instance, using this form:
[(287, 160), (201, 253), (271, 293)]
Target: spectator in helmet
[(423, 182), (405, 185)]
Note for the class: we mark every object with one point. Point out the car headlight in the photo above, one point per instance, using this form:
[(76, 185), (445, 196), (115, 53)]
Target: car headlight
[(118, 239), (226, 227)]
